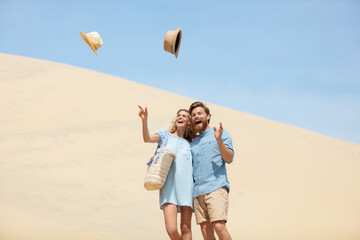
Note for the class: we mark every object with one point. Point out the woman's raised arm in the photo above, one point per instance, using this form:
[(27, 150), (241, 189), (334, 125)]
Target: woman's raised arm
[(152, 138)]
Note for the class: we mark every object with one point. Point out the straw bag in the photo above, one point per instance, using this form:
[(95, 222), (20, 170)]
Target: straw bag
[(159, 166)]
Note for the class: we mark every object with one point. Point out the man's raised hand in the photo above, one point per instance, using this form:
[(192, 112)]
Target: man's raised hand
[(217, 133)]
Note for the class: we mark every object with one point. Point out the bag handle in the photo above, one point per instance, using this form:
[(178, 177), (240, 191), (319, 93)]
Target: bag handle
[(165, 141), (163, 144)]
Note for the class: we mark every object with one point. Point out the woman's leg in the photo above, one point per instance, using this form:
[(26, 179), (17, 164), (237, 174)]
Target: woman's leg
[(170, 215), (185, 225)]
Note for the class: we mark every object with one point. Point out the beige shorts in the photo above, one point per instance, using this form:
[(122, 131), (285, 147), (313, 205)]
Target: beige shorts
[(212, 206)]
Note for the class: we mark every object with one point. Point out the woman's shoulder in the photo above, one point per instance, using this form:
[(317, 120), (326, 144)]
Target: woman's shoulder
[(179, 139), (162, 132)]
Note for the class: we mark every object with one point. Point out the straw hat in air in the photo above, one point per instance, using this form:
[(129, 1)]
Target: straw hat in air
[(93, 39), (172, 42)]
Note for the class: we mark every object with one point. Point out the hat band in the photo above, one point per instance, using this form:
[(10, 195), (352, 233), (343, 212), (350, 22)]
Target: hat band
[(172, 44), (96, 48)]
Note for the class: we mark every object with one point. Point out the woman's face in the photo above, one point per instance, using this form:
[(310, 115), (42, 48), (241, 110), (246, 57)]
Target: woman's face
[(182, 119)]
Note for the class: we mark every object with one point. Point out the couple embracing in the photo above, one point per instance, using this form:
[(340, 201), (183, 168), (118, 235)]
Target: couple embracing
[(197, 180)]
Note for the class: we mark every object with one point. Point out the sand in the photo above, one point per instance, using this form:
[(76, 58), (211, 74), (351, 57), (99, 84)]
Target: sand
[(72, 163)]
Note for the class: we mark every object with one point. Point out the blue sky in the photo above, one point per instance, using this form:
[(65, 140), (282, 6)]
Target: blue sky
[(296, 62)]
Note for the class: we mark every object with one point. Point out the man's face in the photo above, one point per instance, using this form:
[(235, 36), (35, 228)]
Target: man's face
[(199, 119)]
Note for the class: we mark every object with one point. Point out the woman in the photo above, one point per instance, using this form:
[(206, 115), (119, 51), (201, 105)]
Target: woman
[(176, 195)]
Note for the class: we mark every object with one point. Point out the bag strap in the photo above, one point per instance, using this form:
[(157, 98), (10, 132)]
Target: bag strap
[(165, 140), (163, 144)]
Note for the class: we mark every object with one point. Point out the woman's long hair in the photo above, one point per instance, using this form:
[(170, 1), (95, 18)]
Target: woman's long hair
[(189, 133)]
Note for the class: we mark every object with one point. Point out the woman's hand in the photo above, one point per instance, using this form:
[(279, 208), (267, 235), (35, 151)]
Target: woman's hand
[(153, 138), (143, 113)]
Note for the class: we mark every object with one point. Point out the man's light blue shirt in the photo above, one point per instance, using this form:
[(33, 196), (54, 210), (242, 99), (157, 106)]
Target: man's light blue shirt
[(209, 170)]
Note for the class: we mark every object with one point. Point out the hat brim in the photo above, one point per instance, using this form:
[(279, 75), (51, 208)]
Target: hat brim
[(177, 39), (88, 42)]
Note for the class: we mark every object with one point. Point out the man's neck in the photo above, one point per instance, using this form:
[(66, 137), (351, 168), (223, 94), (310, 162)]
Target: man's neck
[(207, 127)]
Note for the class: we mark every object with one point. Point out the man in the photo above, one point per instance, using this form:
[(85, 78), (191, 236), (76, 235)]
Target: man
[(211, 149)]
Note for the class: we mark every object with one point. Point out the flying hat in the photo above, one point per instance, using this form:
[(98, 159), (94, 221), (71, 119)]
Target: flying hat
[(172, 42), (93, 39)]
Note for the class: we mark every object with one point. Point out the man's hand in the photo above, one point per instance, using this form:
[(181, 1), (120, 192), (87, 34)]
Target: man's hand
[(217, 133), (226, 153)]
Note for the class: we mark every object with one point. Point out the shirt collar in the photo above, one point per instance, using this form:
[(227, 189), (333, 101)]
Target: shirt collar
[(205, 132)]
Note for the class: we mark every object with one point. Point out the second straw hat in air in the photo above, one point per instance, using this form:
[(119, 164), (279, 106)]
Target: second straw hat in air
[(93, 40)]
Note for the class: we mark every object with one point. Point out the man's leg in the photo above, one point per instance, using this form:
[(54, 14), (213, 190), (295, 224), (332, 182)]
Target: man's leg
[(221, 230), (185, 224), (170, 215), (202, 218), (207, 231)]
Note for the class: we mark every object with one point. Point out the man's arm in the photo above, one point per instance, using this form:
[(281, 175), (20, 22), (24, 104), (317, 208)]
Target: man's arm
[(225, 152)]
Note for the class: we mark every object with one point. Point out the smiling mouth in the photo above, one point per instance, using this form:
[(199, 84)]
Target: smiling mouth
[(198, 122), (180, 121)]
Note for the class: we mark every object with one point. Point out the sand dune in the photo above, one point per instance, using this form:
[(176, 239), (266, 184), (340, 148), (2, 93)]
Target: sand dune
[(72, 163)]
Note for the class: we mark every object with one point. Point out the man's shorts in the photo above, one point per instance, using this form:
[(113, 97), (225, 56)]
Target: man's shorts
[(212, 206)]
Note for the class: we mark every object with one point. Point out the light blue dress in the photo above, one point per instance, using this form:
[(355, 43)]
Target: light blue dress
[(178, 188)]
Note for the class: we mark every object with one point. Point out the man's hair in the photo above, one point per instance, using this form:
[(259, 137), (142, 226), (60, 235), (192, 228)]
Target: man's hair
[(199, 104)]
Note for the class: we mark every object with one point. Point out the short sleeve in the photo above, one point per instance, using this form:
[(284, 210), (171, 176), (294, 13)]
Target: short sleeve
[(161, 133), (226, 138)]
